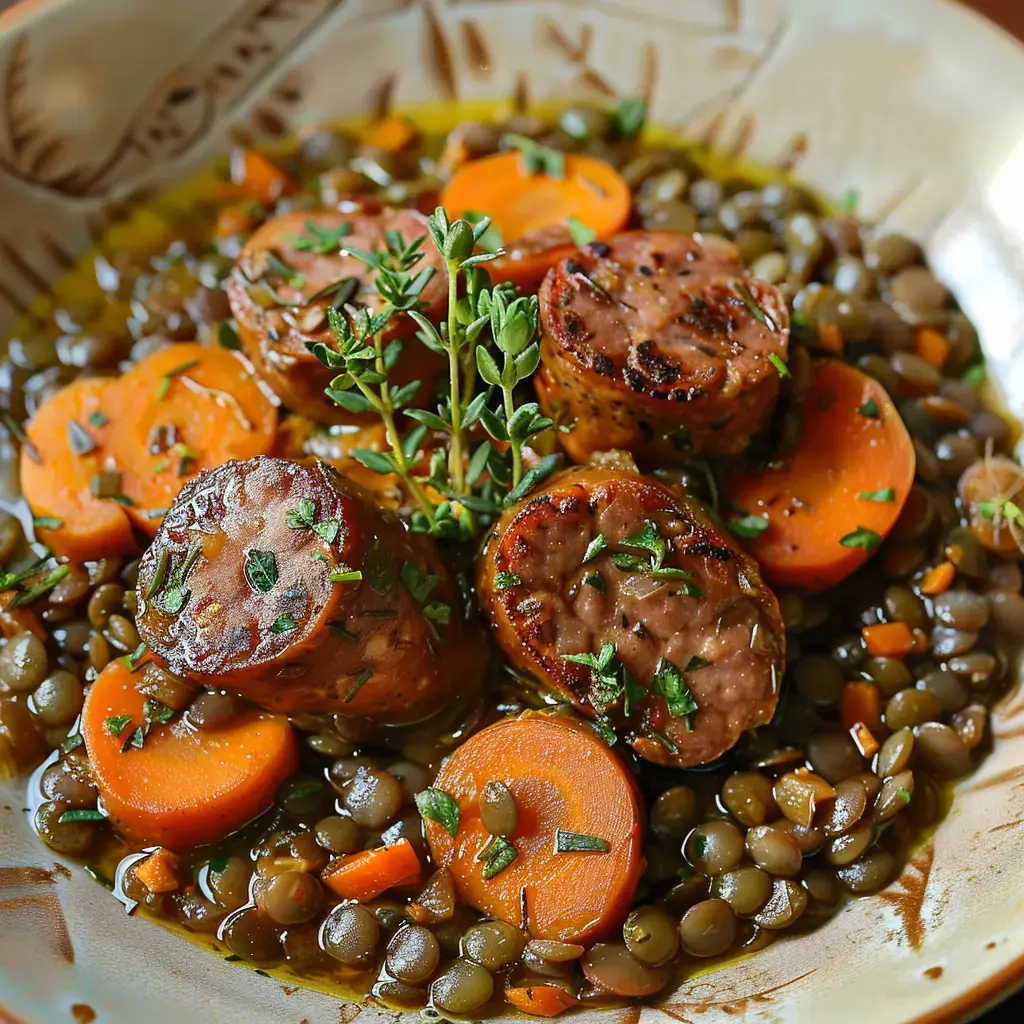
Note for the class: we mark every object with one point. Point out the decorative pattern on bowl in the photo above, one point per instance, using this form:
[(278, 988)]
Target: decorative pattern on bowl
[(916, 105)]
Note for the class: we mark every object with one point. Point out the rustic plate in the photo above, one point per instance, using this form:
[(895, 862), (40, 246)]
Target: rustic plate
[(915, 104)]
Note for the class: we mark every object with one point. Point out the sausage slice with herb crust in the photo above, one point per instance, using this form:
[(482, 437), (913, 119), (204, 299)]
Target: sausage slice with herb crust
[(660, 344), (628, 600), (280, 580), (292, 270)]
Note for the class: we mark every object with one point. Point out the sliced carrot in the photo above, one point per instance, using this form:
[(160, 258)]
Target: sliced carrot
[(159, 871), (258, 177), (860, 704), (18, 620), (181, 410), (390, 135), (69, 439), (831, 501), (932, 347), (570, 895), (540, 1000), (183, 787), (364, 876), (888, 640), (938, 579), (865, 739), (532, 211)]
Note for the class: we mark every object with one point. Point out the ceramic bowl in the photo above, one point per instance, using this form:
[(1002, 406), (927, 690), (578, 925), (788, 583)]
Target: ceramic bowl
[(915, 104)]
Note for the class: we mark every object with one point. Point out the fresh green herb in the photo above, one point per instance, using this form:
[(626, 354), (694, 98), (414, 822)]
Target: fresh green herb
[(156, 711), (632, 692), (322, 241), (80, 814), (80, 439), (695, 664), (227, 336), (337, 293), (504, 580), (357, 684), (579, 232), (168, 378), (123, 499), (160, 467), (218, 865), (975, 375), (595, 547), (607, 681), (850, 200), (490, 240), (278, 267), (759, 313), (500, 855), (886, 494), (131, 661), (97, 876), (159, 573), (72, 742), (346, 576), (595, 581), (669, 683), (136, 739), (604, 731), (232, 958), (904, 794), (420, 585), (537, 159), (700, 844), (630, 116), (680, 438), (327, 530), (312, 787), (748, 526), (261, 570), (47, 522), (780, 365), (301, 517), (861, 538), (1009, 510), (436, 805), (283, 624), (37, 590), (98, 419), (648, 539), (869, 409), (116, 724), (578, 842), (665, 742)]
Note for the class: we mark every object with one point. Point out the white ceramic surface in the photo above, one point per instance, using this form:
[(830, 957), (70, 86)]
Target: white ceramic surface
[(917, 104)]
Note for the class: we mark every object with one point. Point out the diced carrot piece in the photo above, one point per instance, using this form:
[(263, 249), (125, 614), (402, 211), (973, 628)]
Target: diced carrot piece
[(236, 219), (932, 347), (365, 875), (390, 135), (159, 871), (938, 579), (258, 177), (888, 640), (18, 620), (540, 1000), (865, 739), (861, 702)]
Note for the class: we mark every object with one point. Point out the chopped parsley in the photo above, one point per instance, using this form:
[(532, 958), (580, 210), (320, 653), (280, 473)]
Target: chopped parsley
[(869, 409), (168, 378), (669, 683), (1010, 510), (780, 365), (578, 842), (537, 159), (499, 853), (283, 624), (420, 585), (579, 232), (886, 494), (357, 684), (47, 522), (98, 419), (749, 526), (595, 547), (861, 538), (630, 116), (595, 581), (80, 439), (653, 565), (80, 814), (303, 516), (322, 241), (904, 794), (219, 864), (116, 724), (156, 711), (131, 661), (346, 576), (606, 674), (261, 570), (505, 580), (436, 805), (665, 742)]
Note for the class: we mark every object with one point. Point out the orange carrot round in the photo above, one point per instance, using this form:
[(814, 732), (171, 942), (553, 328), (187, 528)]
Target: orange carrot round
[(824, 507), (183, 787), (578, 840), (68, 448), (259, 178), (534, 211), (181, 410), (364, 876), (540, 1000), (861, 703)]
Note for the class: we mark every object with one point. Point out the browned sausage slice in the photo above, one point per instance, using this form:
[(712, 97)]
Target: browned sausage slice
[(659, 344), (680, 605), (288, 274), (253, 583)]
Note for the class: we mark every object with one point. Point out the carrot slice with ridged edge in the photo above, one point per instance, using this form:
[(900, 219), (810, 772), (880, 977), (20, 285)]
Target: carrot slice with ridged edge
[(69, 445), (825, 506), (533, 211), (183, 787), (579, 835), (183, 409)]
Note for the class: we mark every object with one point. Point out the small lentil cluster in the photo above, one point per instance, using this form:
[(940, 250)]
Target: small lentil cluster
[(798, 818)]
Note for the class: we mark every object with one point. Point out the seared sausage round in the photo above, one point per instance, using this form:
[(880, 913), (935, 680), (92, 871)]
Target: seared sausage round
[(606, 560), (281, 581), (658, 344), (288, 274)]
